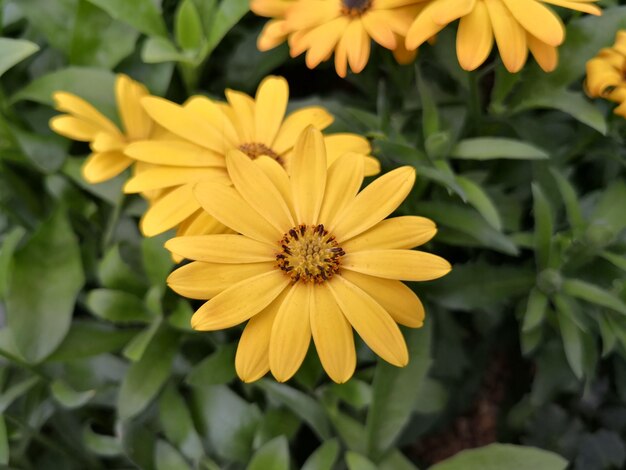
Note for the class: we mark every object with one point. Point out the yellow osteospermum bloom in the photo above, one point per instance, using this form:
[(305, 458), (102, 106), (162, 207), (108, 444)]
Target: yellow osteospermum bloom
[(208, 130), (606, 72), (516, 25), (312, 257), (345, 27), (85, 123)]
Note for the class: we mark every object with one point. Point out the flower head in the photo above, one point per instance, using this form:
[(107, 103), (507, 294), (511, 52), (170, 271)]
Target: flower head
[(345, 27), (85, 123), (606, 74), (310, 256), (204, 131), (517, 26)]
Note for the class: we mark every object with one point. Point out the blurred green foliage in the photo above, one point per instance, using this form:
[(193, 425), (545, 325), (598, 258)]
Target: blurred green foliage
[(523, 174)]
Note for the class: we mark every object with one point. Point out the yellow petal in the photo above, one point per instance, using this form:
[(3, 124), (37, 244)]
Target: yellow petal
[(402, 55), (397, 233), (378, 29), (510, 36), (212, 113), (340, 144), (243, 105), (332, 335), (341, 57), (404, 265), (308, 175), (345, 177), (128, 96), (291, 332), (221, 248), (538, 20), (168, 211), (583, 6), (184, 123), (474, 38), (371, 166), (272, 35), (258, 190), (395, 297), (240, 302), (374, 203), (423, 28), (271, 103), (199, 280), (201, 223), (106, 142), (278, 176), (78, 107), (323, 39), (169, 176), (297, 122), (100, 167), (447, 11), (252, 360), (359, 44), (370, 321), (269, 8), (226, 205), (546, 56), (74, 128), (174, 153), (305, 15)]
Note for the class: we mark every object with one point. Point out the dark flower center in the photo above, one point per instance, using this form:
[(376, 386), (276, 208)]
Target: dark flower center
[(355, 7), (255, 150)]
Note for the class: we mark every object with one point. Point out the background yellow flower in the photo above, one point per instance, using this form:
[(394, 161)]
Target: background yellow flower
[(605, 74)]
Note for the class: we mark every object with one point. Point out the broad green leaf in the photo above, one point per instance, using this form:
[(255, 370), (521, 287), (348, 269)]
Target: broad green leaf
[(503, 456), (5, 450), (15, 392), (13, 51), (481, 201), (568, 193), (157, 261), (188, 27), (181, 316), (273, 455), (227, 15), (68, 397), (609, 211), (488, 148), (359, 462), (168, 458), (430, 115), (594, 294), (394, 391), (46, 152), (354, 392), (324, 457), (544, 227), (157, 49), (141, 14), (571, 335), (609, 338), (535, 310), (617, 260), (100, 444), (7, 249), (229, 421), (116, 274), (137, 346), (396, 461), (55, 20), (117, 306), (47, 277), (432, 397), (352, 433), (276, 422), (301, 404), (177, 423), (145, 377), (87, 338), (218, 368)]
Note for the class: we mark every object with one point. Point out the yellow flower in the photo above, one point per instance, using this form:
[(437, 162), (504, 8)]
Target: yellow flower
[(311, 257), (345, 27), (85, 123), (206, 130), (606, 72), (516, 25)]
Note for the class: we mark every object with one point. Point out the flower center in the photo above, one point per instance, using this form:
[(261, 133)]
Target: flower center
[(355, 7), (309, 254), (255, 150)]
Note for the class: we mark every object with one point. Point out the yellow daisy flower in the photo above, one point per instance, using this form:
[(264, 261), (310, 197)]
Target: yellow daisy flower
[(312, 257), (345, 27), (85, 123), (517, 26), (207, 130), (606, 72)]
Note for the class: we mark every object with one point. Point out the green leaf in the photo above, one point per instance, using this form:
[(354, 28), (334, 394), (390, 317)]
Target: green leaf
[(571, 335), (137, 346), (47, 277), (617, 260), (157, 261), (156, 50), (177, 423), (15, 392), (5, 451), (141, 14), (87, 338), (168, 458), (324, 457), (227, 15), (503, 456), (358, 462), (68, 397), (396, 461), (188, 27), (46, 152), (115, 274), (544, 227), (355, 392), (488, 148), (430, 114), (145, 377), (218, 368), (100, 444), (273, 455), (301, 404), (13, 51), (481, 201), (7, 249), (568, 193), (117, 306), (535, 310), (352, 432), (591, 293), (394, 391), (609, 214)]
